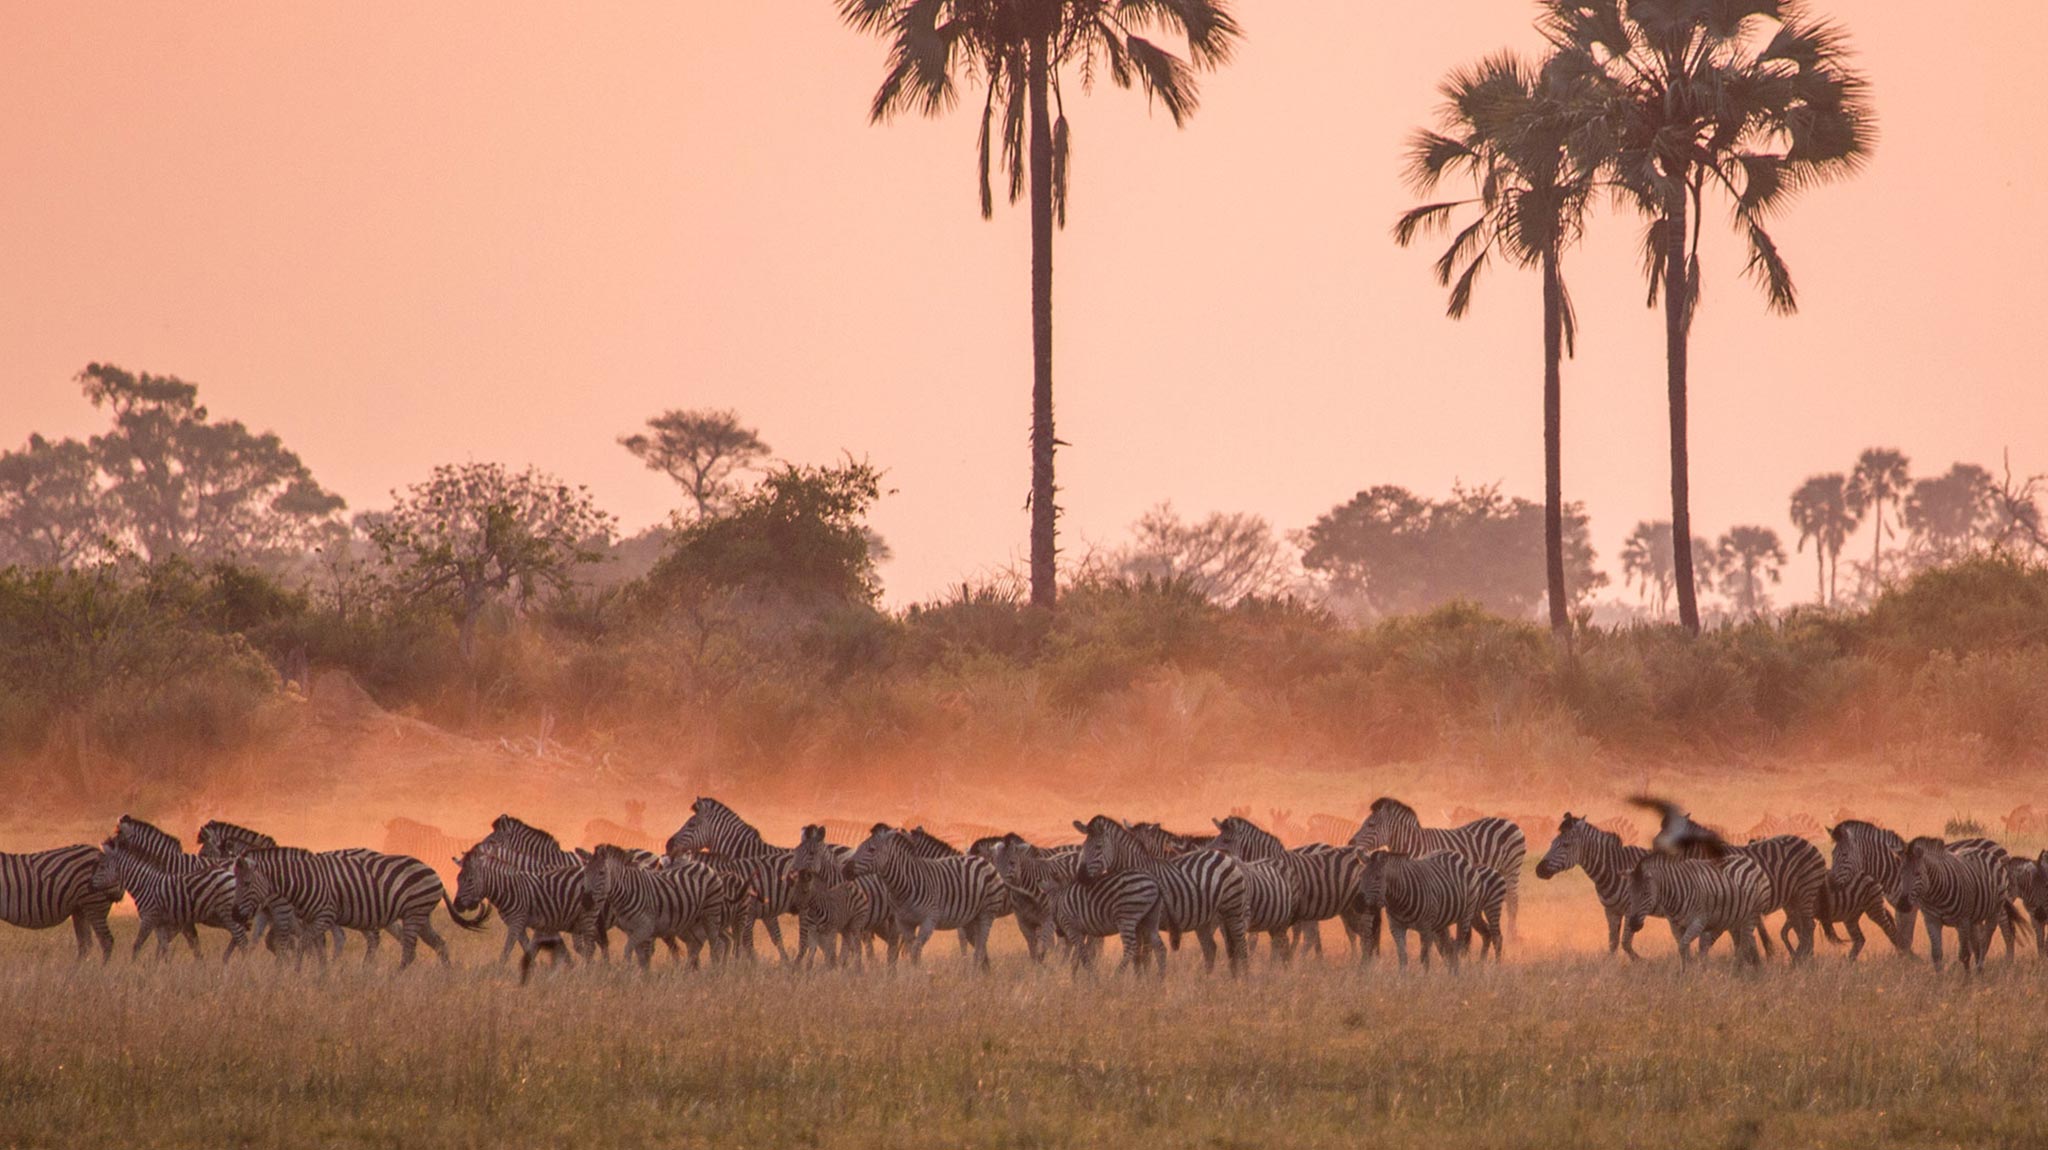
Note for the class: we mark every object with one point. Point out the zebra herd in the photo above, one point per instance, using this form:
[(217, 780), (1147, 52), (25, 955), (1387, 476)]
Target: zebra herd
[(1146, 886)]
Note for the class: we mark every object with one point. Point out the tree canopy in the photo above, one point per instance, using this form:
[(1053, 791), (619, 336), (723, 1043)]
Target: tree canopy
[(800, 534)]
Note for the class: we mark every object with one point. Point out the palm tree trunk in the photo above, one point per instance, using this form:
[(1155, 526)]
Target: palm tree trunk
[(1820, 572), (1044, 513), (1677, 305), (1876, 545), (1553, 448)]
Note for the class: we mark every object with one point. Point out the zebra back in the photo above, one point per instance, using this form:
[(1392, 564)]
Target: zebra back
[(225, 840), (43, 888), (1239, 836), (713, 826)]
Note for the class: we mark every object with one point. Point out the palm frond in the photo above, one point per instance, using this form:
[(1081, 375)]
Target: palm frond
[(1165, 76), (1424, 220), (1469, 241), (1461, 292), (1768, 269)]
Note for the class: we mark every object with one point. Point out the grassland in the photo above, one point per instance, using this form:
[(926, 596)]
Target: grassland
[(1557, 1048)]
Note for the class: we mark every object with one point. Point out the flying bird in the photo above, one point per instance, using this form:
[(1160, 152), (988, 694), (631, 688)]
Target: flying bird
[(1680, 835)]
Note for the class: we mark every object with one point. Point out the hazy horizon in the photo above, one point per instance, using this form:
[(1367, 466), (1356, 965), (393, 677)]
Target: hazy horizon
[(402, 237)]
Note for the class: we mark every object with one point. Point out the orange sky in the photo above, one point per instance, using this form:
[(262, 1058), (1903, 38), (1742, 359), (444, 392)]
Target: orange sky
[(402, 234)]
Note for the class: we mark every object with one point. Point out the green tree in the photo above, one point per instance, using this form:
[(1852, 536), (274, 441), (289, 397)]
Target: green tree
[(1018, 51), (1822, 513), (1530, 140), (50, 504), (1747, 557), (473, 534), (1876, 486), (703, 451), (801, 534), (178, 483), (1746, 99)]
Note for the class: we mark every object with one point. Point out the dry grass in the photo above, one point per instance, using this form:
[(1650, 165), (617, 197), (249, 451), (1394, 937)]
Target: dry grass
[(1556, 1049)]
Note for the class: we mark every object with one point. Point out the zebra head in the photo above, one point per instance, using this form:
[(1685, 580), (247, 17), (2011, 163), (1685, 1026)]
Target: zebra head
[(1563, 854), (152, 843), (1913, 863), (475, 870), (1863, 848), (813, 855), (1372, 877), (1240, 837), (698, 832), (106, 873), (252, 886), (1009, 854), (1161, 843), (1390, 823), (884, 845), (1644, 890), (1110, 846), (599, 869)]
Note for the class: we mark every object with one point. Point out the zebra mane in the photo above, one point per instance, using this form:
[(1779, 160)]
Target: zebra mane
[(1925, 843), (265, 854), (147, 841), (1889, 838), (604, 852), (1394, 807), (919, 834), (1580, 824)]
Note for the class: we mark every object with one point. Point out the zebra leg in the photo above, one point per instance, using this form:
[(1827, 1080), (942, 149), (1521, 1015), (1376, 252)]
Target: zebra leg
[(191, 934), (1934, 938), (370, 939), (1513, 905), (772, 922), (924, 933), (238, 939), (83, 934), (1854, 926), (2008, 925), (1207, 937), (979, 930), (433, 939), (1694, 931), (144, 927), (1400, 934), (514, 936)]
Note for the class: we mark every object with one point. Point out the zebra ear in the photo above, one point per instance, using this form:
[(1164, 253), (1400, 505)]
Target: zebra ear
[(582, 854), (1218, 822), (1080, 826)]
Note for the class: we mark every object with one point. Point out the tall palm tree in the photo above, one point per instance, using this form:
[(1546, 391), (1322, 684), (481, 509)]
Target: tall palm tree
[(1747, 557), (1876, 484), (1821, 511), (1646, 562), (1744, 98), (1017, 49), (1531, 141), (1951, 514)]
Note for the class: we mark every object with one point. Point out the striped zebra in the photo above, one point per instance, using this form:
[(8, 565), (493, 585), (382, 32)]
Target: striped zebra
[(224, 840), (43, 888), (961, 892), (173, 904), (376, 892), (1865, 848), (1326, 879), (1271, 894), (1702, 899), (166, 852), (1201, 891), (1964, 891), (1847, 904), (841, 918), (1431, 895), (716, 828), (515, 840), (295, 889), (537, 906), (2029, 881), (684, 901), (1127, 905), (1607, 861), (1027, 897), (1494, 843), (1798, 874), (1026, 905)]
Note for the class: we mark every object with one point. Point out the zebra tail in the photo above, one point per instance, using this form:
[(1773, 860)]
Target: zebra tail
[(483, 915)]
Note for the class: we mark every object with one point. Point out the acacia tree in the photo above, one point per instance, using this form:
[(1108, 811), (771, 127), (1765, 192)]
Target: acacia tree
[(178, 483), (1224, 557), (703, 451), (1530, 140), (49, 504), (1742, 98), (472, 534), (1018, 50), (1876, 486), (1749, 556), (1821, 512)]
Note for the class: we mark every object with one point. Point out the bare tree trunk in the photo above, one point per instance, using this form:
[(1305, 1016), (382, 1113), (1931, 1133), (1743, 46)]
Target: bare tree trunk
[(1044, 510), (1553, 448), (1677, 308)]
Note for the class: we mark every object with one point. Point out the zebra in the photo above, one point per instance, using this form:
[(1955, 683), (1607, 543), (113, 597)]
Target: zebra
[(1494, 843), (515, 840), (718, 829), (1326, 879), (840, 917), (1083, 913), (2029, 881), (684, 900), (377, 892), (295, 888), (1866, 848), (961, 892), (1027, 902), (166, 852), (1607, 861), (1799, 875), (1200, 891), (1702, 899), (535, 904), (40, 889), (1431, 895), (1965, 891), (224, 840), (168, 904), (1847, 903), (1271, 895)]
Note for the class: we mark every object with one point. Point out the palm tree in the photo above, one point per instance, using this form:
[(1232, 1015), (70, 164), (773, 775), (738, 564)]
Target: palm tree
[(1877, 482), (1952, 513), (1821, 511), (1743, 98), (1748, 556), (1646, 562), (1017, 49), (1529, 139)]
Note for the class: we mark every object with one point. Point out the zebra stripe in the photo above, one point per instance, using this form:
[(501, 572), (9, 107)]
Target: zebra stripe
[(168, 904), (1494, 843), (376, 892), (957, 893), (159, 848), (1127, 905), (1607, 861), (1702, 899), (1865, 848), (295, 889), (1430, 895), (1847, 904), (1024, 900), (535, 904), (1271, 895), (683, 901), (713, 826), (1200, 891), (1798, 875), (1325, 878), (224, 840), (2029, 881), (43, 888), (841, 918), (1963, 890)]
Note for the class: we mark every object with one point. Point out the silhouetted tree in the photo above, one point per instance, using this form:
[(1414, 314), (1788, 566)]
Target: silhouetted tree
[(50, 504), (1017, 49), (1531, 140), (2016, 512), (179, 484), (1748, 557), (1745, 98), (1876, 485), (1224, 557), (1821, 512), (1393, 551), (1951, 514), (474, 533), (1646, 562), (703, 451)]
